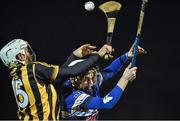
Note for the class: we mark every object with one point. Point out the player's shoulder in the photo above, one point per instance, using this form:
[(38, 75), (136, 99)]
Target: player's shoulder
[(44, 64), (33, 63), (37, 65), (40, 63)]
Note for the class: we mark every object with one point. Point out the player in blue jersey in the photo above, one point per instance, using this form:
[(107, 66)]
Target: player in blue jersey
[(81, 97)]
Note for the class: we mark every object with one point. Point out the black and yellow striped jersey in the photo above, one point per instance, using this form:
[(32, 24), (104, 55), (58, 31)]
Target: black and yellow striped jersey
[(35, 94)]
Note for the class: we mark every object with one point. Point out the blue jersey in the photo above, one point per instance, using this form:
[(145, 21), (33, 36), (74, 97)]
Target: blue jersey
[(80, 104)]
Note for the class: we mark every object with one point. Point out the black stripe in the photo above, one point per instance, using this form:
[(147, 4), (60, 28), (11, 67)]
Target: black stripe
[(50, 100), (35, 91), (57, 107), (28, 111)]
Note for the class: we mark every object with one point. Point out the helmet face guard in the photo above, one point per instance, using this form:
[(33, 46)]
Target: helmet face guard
[(32, 53), (9, 52)]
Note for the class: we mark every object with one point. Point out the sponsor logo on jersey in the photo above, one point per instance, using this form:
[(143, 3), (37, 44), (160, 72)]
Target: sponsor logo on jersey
[(106, 99)]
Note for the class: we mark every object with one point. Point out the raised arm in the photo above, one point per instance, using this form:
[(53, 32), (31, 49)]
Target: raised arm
[(82, 51), (119, 63), (79, 67), (114, 95), (84, 65), (115, 67)]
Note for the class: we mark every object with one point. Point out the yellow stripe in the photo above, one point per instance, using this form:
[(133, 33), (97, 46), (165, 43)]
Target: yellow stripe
[(44, 97), (55, 72), (26, 117), (43, 63), (29, 91), (58, 113), (54, 99)]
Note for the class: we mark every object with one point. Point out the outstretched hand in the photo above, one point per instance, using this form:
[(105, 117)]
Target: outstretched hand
[(84, 50), (140, 51)]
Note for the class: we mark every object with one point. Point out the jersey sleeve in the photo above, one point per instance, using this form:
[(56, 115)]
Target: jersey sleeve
[(81, 67), (82, 101), (106, 102), (71, 58), (115, 67), (46, 72)]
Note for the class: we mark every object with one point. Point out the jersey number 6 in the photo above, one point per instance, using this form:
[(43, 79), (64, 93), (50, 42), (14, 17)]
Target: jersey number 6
[(21, 95)]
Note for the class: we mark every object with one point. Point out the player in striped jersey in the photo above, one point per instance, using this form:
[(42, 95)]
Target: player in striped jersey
[(33, 81)]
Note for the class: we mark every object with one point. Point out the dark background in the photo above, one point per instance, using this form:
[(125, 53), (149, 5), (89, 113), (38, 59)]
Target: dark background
[(55, 28)]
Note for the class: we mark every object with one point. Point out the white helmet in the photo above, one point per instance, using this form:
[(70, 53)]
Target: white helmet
[(9, 52)]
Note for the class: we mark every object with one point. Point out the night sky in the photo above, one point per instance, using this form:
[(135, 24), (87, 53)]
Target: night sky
[(55, 28)]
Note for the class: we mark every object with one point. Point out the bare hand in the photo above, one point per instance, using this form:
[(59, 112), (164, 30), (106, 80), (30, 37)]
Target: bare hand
[(129, 73), (106, 49), (140, 51), (84, 50)]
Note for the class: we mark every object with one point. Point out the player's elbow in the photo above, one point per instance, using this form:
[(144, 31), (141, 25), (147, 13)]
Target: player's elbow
[(106, 106)]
